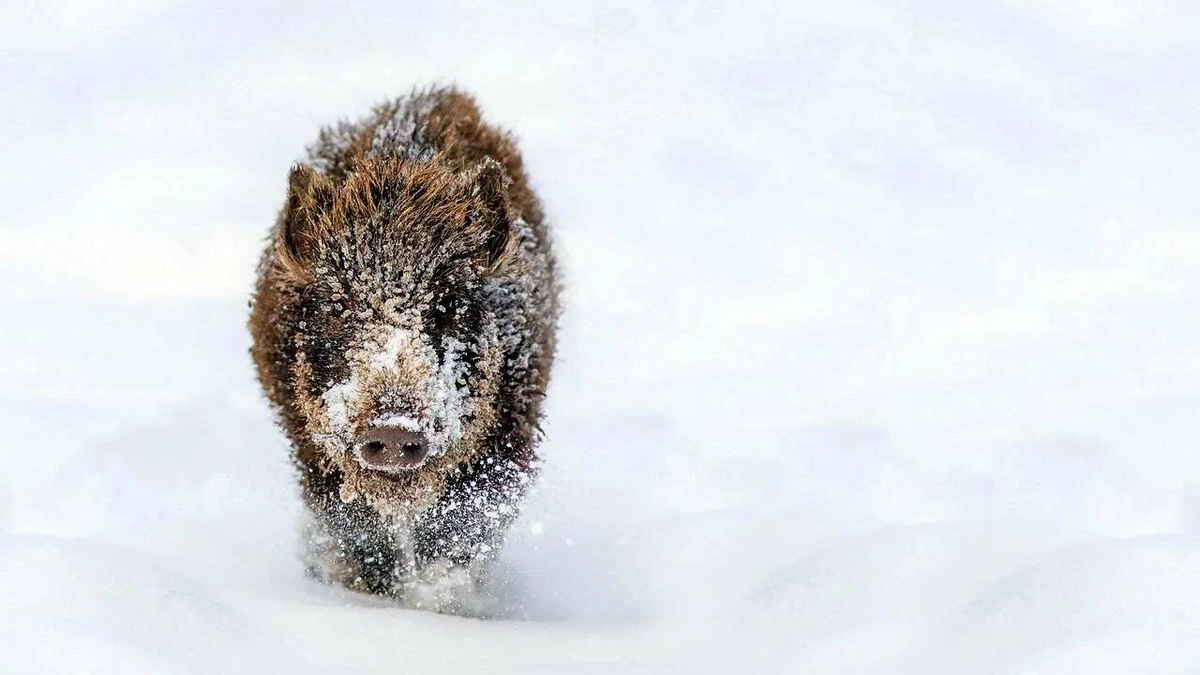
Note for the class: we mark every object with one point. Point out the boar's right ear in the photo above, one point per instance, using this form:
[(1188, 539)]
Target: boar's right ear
[(490, 214), (296, 244)]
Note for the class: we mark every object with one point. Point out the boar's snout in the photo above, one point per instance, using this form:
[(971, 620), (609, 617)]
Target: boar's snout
[(390, 448)]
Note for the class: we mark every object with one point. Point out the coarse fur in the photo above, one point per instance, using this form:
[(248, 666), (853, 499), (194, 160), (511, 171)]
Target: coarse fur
[(409, 278)]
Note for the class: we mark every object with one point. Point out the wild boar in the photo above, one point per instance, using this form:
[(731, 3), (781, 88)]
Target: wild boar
[(403, 330)]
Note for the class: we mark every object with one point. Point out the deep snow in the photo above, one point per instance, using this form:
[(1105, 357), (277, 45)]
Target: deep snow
[(880, 349)]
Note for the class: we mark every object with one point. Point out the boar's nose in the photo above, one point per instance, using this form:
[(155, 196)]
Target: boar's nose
[(391, 448)]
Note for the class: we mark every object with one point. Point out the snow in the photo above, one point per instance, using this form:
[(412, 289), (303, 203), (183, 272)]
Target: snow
[(879, 349), (401, 421), (339, 401)]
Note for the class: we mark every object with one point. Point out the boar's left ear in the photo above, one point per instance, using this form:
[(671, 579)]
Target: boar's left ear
[(489, 212), (309, 196)]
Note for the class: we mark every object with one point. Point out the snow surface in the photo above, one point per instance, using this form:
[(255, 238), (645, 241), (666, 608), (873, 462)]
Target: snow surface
[(879, 356)]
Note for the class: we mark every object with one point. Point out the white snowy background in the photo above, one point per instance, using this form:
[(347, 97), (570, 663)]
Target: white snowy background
[(882, 349)]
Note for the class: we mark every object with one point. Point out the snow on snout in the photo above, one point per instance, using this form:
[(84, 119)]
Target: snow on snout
[(402, 421), (440, 393)]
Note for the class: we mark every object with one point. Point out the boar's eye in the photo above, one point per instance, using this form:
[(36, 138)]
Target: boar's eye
[(440, 318), (328, 362), (453, 315)]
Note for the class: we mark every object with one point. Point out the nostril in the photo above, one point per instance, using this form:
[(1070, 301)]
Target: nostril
[(391, 448)]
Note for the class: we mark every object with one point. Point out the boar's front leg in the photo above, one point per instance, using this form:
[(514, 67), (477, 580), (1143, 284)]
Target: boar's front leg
[(468, 522)]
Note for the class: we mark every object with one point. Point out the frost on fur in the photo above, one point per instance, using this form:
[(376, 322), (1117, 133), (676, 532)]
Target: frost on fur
[(408, 292)]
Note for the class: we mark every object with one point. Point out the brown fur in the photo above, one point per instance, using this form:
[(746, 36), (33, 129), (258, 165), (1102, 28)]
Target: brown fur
[(409, 272)]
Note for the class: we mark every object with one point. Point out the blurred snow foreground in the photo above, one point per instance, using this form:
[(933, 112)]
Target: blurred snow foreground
[(879, 356)]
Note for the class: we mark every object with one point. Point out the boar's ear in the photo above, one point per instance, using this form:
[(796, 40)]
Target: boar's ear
[(309, 196), (489, 213)]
